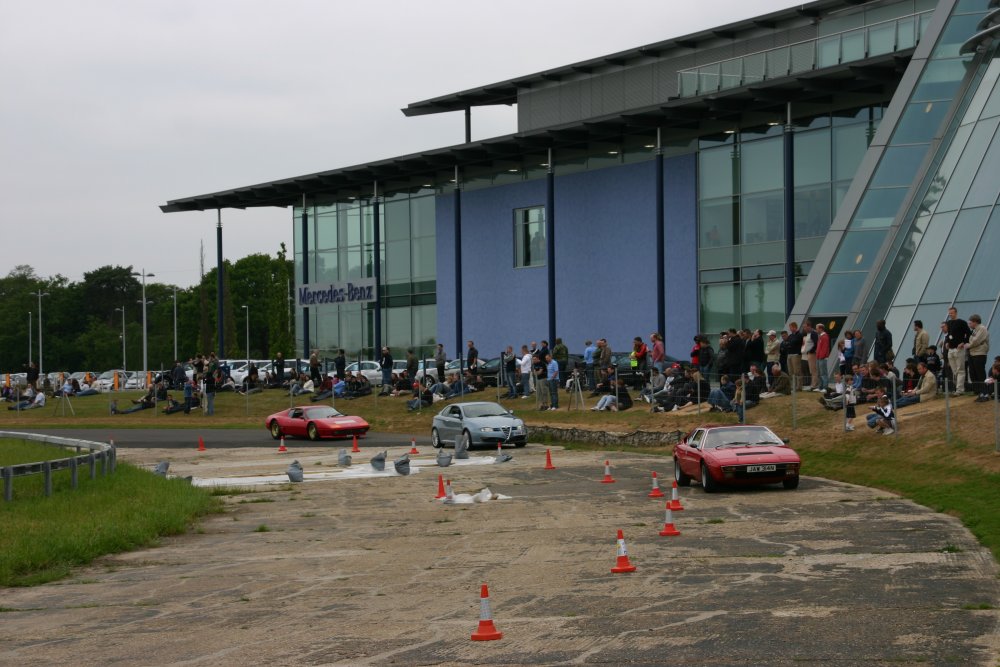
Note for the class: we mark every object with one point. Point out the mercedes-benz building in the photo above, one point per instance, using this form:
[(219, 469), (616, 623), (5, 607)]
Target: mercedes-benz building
[(838, 160)]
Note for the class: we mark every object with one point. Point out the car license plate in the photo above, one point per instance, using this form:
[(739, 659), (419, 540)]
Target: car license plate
[(763, 468)]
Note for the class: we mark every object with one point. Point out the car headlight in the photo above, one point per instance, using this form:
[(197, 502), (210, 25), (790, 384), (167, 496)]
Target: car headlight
[(490, 429)]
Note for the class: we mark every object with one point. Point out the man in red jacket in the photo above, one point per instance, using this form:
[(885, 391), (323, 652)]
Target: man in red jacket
[(822, 354)]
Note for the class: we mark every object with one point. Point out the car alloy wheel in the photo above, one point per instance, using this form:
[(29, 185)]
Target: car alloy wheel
[(312, 432), (707, 482), (467, 439), (435, 439), (679, 476), (275, 429)]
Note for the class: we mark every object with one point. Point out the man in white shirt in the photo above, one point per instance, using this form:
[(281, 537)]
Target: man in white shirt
[(526, 377)]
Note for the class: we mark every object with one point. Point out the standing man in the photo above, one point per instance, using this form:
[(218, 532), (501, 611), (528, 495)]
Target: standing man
[(979, 346), (340, 363), (794, 358), (957, 340), (809, 340), (509, 363), (278, 365), (386, 363), (921, 339), (525, 371), (561, 354), (411, 365), (773, 351), (314, 367), (589, 350), (823, 347), (472, 358), (882, 348), (657, 353), (440, 359), (552, 372)]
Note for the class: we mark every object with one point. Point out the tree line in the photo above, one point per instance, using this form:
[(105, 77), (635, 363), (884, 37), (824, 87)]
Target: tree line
[(82, 321)]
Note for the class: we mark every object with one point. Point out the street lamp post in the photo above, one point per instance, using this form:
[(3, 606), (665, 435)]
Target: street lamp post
[(145, 339), (175, 323), (247, 308), (30, 335), (40, 294), (123, 336)]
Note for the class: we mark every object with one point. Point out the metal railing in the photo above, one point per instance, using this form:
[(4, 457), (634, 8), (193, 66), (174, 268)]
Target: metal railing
[(100, 455), (827, 51)]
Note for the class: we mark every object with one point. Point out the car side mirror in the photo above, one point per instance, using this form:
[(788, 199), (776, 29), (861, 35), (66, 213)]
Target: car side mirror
[(785, 440)]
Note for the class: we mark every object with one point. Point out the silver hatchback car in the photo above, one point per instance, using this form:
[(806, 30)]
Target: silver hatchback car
[(478, 423)]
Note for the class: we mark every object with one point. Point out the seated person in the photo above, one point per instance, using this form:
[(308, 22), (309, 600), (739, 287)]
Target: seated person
[(693, 389), (301, 385), (933, 360), (781, 383), (30, 399), (425, 400), (926, 389), (86, 390), (884, 420), (657, 381), (443, 388), (67, 389), (990, 384), (616, 401), (606, 385), (721, 398), (172, 406), (325, 390)]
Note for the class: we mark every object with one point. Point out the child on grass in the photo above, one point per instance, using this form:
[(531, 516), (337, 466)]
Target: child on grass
[(851, 400)]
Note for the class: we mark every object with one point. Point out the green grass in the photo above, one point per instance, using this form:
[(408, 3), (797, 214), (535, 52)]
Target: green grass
[(15, 452), (43, 538)]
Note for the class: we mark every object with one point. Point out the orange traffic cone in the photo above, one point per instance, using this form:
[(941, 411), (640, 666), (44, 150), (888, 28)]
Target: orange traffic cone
[(413, 446), (668, 525), (355, 449), (281, 447), (201, 444), (487, 631), (656, 492), (548, 460), (441, 493), (675, 502), (623, 564), (608, 479)]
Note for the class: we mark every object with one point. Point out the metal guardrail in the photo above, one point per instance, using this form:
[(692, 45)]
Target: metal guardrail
[(100, 453), (822, 51)]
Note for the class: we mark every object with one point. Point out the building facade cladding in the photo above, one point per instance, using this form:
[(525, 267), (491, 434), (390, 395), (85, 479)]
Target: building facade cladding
[(919, 227), (341, 240)]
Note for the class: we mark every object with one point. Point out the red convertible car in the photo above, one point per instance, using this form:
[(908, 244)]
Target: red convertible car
[(314, 422), (742, 455)]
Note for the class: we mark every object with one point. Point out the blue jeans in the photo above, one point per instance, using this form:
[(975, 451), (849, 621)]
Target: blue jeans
[(718, 399), (554, 393), (511, 385), (823, 370), (210, 403), (386, 379), (903, 401)]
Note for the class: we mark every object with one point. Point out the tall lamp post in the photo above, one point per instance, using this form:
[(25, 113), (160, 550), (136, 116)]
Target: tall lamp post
[(30, 335), (145, 339), (123, 336), (247, 308), (175, 323), (40, 294)]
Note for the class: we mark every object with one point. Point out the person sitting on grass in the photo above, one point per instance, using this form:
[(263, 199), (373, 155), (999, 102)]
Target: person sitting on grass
[(425, 400), (325, 389), (657, 381), (172, 406), (721, 399), (617, 401), (303, 385), (30, 400), (885, 419), (781, 383), (926, 388)]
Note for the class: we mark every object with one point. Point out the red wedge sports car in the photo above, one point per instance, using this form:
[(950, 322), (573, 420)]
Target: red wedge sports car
[(314, 422), (744, 455)]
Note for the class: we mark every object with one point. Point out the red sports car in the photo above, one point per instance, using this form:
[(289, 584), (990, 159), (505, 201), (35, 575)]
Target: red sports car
[(314, 422), (738, 455)]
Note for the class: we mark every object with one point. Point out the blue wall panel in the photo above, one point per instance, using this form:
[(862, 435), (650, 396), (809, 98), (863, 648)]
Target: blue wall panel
[(501, 305), (605, 255), (605, 261), (680, 237)]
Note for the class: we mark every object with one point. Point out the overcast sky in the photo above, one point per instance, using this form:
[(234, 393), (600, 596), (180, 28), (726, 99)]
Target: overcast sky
[(109, 108)]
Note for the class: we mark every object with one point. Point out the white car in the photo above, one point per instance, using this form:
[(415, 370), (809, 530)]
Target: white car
[(370, 369), (240, 374), (106, 380)]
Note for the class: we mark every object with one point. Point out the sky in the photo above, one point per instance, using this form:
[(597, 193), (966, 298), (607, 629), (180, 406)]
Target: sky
[(110, 108)]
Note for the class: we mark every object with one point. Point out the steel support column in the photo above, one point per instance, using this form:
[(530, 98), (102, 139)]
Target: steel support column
[(306, 349), (661, 310), (458, 270), (219, 293), (550, 244), (377, 263), (789, 149)]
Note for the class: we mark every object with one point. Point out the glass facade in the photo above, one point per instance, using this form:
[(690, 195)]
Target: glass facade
[(741, 210), (529, 237), (341, 239)]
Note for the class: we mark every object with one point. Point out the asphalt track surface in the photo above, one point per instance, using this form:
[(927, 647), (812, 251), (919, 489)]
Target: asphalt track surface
[(169, 438)]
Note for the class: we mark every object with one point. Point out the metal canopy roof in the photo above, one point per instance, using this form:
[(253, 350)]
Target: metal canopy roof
[(853, 84), (505, 92)]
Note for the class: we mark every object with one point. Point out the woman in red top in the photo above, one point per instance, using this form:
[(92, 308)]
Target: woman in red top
[(657, 355), (640, 351)]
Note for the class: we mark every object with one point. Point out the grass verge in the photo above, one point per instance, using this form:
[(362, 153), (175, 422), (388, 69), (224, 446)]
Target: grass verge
[(43, 538)]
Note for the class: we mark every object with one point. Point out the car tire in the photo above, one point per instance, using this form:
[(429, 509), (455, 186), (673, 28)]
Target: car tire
[(791, 483), (275, 429), (467, 439), (707, 482), (435, 439), (680, 477), (312, 431), (521, 444)]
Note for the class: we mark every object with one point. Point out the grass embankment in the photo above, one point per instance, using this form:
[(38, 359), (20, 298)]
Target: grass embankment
[(960, 477), (43, 538)]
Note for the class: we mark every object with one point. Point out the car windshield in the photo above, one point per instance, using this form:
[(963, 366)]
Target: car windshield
[(485, 410), (740, 437), (324, 412)]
